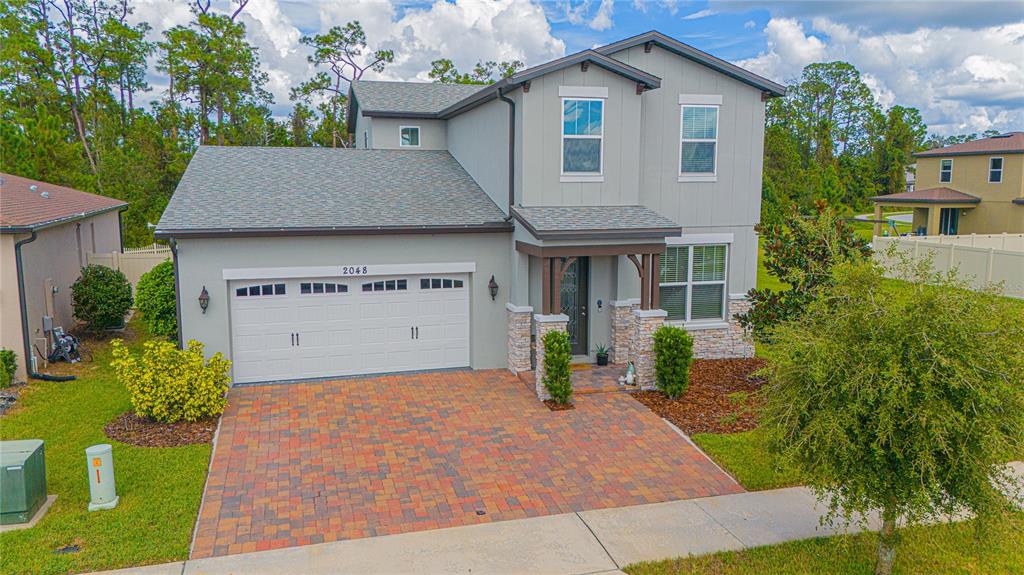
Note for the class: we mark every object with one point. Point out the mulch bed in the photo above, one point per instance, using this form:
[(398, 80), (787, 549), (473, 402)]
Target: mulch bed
[(558, 406), (134, 430), (709, 406)]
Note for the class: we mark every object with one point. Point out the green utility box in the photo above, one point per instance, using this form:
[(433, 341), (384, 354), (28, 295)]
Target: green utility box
[(22, 480)]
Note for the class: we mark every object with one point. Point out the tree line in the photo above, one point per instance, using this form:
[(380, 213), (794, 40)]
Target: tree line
[(73, 73)]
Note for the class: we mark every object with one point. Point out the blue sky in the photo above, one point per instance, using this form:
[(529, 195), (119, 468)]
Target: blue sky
[(960, 63)]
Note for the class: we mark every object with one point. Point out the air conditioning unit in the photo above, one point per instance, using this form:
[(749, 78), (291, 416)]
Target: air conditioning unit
[(22, 480)]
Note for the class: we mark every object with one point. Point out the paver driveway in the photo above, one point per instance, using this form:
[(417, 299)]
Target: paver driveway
[(312, 462)]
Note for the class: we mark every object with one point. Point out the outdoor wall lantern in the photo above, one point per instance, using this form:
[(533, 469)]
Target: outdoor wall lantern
[(204, 299), (492, 286)]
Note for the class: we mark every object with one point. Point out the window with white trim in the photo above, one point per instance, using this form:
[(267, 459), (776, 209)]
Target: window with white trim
[(698, 148), (692, 282), (995, 170), (582, 136), (945, 171), (409, 136)]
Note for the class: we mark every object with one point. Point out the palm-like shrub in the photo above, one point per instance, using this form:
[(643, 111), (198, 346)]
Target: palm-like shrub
[(8, 365), (101, 297), (156, 302), (557, 375), (673, 354)]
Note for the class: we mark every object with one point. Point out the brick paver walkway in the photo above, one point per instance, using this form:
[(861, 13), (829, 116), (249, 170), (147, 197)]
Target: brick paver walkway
[(313, 462)]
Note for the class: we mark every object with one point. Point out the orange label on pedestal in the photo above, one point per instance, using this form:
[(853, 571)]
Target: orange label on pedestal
[(95, 461)]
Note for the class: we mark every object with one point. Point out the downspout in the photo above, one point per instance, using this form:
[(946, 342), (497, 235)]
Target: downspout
[(511, 151), (177, 287), (23, 301)]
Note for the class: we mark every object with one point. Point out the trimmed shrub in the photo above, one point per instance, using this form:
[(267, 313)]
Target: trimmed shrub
[(156, 302), (8, 365), (557, 376), (168, 384), (101, 297), (673, 354)]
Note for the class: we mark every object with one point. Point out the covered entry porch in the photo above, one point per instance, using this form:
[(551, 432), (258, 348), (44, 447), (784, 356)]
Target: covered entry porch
[(937, 211)]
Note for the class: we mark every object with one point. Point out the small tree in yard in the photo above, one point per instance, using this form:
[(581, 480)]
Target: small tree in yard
[(101, 297), (155, 300), (902, 397), (673, 354), (801, 253), (557, 374)]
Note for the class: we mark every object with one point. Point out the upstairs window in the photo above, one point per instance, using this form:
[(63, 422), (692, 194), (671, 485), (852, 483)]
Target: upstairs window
[(699, 141), (582, 136), (692, 282), (995, 170), (409, 136), (946, 171)]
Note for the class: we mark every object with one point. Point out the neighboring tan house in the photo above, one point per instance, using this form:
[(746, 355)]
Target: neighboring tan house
[(46, 235), (588, 193), (972, 188)]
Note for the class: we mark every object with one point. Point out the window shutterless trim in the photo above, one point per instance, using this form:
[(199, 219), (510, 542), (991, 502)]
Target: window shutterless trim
[(711, 176), (687, 320), (597, 176), (1002, 164), (419, 134), (941, 170)]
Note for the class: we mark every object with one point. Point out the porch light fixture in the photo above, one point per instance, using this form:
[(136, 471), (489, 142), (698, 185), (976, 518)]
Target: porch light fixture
[(492, 286), (204, 299)]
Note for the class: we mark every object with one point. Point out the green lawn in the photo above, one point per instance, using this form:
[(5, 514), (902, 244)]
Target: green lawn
[(746, 457), (946, 549), (160, 488)]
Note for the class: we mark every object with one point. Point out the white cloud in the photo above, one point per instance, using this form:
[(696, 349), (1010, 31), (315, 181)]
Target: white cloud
[(961, 80), (749, 25), (700, 14), (603, 19)]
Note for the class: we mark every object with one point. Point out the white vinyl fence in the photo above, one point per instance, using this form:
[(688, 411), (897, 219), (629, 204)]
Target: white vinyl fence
[(134, 261), (980, 259)]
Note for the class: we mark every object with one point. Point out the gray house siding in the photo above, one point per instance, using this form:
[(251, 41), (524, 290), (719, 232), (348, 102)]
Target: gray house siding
[(541, 141), (202, 261), (733, 202), (364, 132), (385, 136), (478, 139)]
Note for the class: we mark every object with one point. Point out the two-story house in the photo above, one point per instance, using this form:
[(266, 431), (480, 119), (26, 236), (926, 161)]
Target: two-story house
[(603, 193), (972, 188)]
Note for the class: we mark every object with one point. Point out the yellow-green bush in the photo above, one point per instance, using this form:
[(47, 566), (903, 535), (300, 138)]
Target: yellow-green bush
[(168, 384)]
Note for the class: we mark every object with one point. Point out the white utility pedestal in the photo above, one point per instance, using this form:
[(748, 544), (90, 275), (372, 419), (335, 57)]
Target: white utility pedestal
[(100, 462)]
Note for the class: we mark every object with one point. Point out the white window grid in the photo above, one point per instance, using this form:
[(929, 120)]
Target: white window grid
[(682, 140), (998, 170), (561, 117)]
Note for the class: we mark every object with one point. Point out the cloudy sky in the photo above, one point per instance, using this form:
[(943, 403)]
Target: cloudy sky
[(960, 63)]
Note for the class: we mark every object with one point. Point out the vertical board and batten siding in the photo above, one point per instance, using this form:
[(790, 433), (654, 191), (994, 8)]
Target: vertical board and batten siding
[(540, 147), (433, 134), (478, 140), (732, 203)]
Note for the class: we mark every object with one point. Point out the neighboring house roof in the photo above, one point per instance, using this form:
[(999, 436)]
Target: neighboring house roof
[(594, 222), (23, 209), (1008, 143), (691, 53), (408, 98), (521, 77), (929, 196), (289, 191)]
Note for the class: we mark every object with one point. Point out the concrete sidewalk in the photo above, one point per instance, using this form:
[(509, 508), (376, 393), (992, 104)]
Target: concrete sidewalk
[(585, 543)]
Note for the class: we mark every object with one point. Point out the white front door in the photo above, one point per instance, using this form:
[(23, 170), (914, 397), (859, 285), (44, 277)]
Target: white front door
[(326, 327)]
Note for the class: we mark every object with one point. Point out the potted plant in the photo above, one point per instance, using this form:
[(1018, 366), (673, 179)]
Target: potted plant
[(602, 354)]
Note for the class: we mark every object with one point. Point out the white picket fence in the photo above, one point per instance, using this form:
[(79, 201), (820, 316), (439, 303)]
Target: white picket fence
[(980, 259), (134, 261)]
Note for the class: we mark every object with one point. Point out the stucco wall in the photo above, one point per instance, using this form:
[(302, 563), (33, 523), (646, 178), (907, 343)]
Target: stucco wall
[(478, 139), (10, 311), (53, 260), (433, 133), (364, 132), (201, 262), (996, 213)]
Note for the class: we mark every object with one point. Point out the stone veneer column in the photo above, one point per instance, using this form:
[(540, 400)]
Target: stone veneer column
[(731, 341), (622, 328), (520, 326), (546, 323), (641, 345)]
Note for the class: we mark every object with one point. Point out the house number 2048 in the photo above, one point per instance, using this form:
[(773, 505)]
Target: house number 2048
[(353, 270)]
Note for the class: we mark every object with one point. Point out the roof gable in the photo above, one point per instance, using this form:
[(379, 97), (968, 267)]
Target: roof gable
[(1008, 143), (23, 208), (689, 52)]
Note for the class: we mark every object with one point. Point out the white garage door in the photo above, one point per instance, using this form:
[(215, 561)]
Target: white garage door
[(327, 327)]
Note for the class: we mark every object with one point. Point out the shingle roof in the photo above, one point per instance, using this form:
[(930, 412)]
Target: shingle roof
[(22, 209), (409, 97), (587, 222), (238, 190), (929, 196), (1010, 142)]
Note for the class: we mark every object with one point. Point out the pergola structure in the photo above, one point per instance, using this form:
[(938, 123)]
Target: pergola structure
[(555, 260)]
